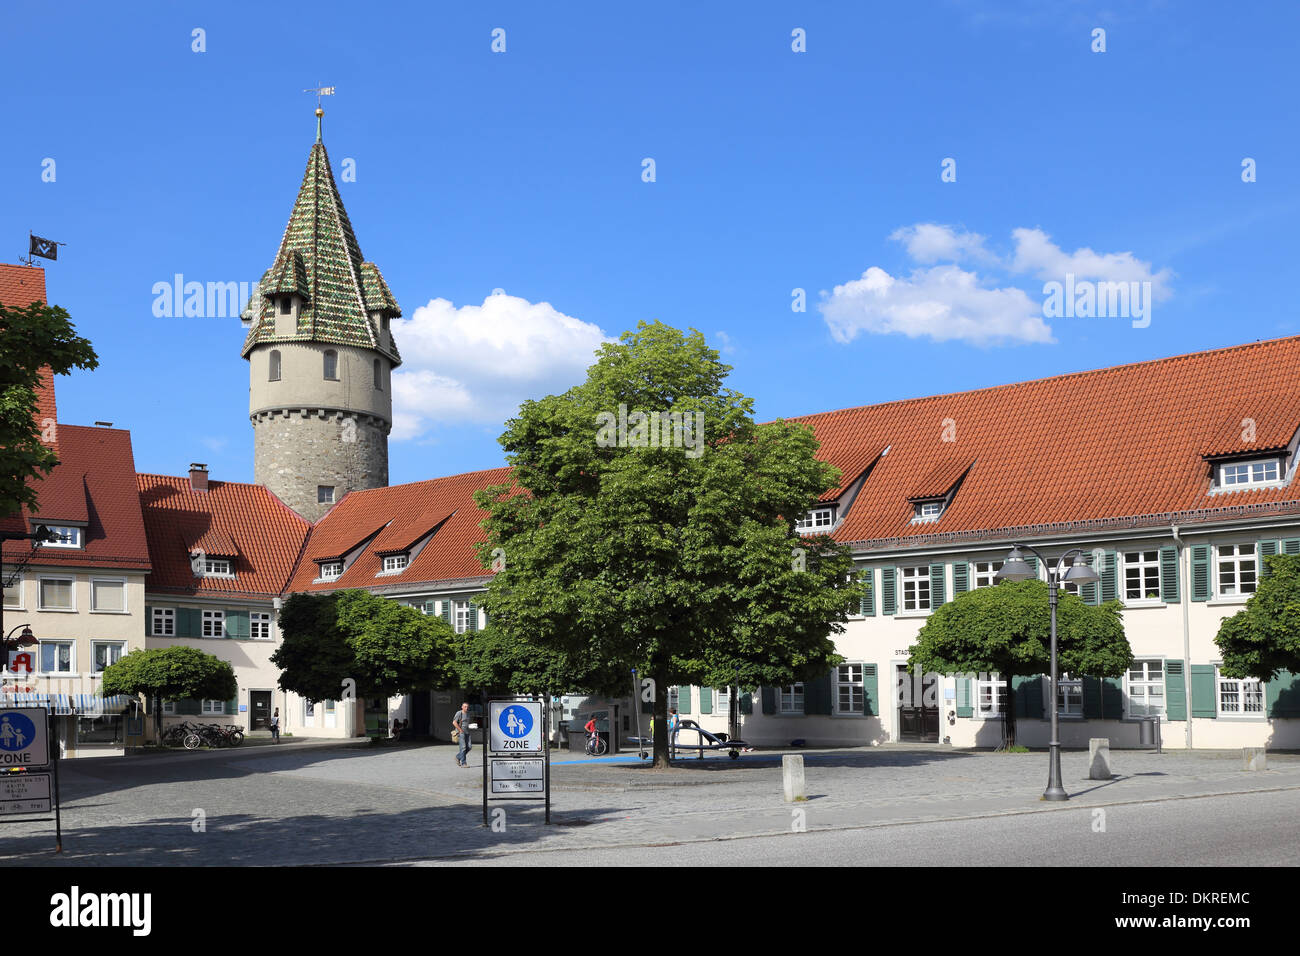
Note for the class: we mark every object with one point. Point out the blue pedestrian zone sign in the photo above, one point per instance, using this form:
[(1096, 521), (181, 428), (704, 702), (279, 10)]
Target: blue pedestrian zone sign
[(516, 727), (516, 722), (22, 738)]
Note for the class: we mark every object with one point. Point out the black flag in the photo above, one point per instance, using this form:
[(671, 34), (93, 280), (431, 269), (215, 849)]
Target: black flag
[(45, 248)]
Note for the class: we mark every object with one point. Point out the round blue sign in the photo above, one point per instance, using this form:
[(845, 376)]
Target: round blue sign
[(16, 732), (516, 721)]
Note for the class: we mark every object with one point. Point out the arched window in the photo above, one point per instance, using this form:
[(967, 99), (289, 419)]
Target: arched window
[(275, 366), (379, 376), (331, 364)]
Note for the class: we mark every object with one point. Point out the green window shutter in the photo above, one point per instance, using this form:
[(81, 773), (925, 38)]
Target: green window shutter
[(1091, 697), (232, 705), (960, 578), (938, 584), (431, 608), (236, 624), (870, 691), (189, 622), (1029, 696), (683, 700), (1109, 572), (1282, 695), (1169, 574), (1088, 592), (1175, 691), (148, 621), (446, 613), (1266, 549), (1201, 590), (1032, 561), (1291, 546), (817, 695), (706, 700), (888, 590), (472, 623), (746, 702), (769, 699), (867, 604), (1204, 703), (1112, 698), (965, 707)]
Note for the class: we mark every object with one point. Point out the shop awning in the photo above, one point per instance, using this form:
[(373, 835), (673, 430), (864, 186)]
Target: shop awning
[(68, 705)]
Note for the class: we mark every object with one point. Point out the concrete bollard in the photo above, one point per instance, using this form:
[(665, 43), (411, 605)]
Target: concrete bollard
[(792, 776), (1099, 758), (1254, 758)]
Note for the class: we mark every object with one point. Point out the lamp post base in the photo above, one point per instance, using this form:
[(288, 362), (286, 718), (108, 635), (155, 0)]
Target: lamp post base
[(1055, 794)]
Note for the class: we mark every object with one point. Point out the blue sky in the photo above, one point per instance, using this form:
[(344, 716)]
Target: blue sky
[(775, 170)]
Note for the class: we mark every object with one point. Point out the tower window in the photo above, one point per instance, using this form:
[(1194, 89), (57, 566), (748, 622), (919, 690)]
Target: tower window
[(332, 365), (274, 375), (286, 305), (325, 494), (379, 376)]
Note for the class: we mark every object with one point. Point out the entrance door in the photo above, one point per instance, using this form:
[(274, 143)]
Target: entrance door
[(918, 707), (420, 713), (259, 709)]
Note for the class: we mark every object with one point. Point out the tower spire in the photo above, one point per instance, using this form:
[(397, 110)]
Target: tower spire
[(320, 91)]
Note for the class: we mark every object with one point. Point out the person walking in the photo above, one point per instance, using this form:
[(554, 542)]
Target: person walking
[(460, 734), (274, 724)]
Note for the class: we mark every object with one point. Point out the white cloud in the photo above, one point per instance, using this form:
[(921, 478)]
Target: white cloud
[(476, 363), (1037, 255), (725, 345), (931, 242), (941, 303)]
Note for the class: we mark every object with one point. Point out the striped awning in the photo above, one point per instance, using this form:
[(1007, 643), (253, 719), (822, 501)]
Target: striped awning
[(68, 705)]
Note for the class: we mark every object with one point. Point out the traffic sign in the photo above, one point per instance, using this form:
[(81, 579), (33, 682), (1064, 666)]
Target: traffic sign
[(23, 738), (517, 774), (24, 793), (515, 727)]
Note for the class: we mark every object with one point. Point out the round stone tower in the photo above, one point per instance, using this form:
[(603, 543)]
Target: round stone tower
[(320, 356)]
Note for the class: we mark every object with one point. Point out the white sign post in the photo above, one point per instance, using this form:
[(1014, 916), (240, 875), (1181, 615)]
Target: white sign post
[(24, 737), (25, 793), (516, 755)]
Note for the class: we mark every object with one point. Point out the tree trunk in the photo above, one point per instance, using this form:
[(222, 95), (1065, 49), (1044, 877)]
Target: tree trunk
[(1009, 719), (660, 716)]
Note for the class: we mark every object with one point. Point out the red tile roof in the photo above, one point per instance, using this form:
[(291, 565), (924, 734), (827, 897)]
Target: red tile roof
[(21, 286), (95, 483), (1252, 429), (265, 535), (405, 513)]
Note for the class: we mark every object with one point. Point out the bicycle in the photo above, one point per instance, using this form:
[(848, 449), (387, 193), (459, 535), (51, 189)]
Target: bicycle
[(596, 745)]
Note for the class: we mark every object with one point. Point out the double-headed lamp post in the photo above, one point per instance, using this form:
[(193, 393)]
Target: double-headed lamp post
[(1015, 568)]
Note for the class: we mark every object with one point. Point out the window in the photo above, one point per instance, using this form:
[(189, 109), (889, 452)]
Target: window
[(329, 707), (325, 494), (460, 616), (990, 695), (214, 623), (1141, 575), (259, 626), (394, 563), (819, 519), (221, 566), (1244, 473), (107, 595), (916, 588), (164, 622), (928, 511), (308, 711), (103, 653), (848, 689), (379, 376), (331, 570), (14, 591), (1236, 569), (331, 365), (1069, 696), (723, 705), (56, 594), (791, 699), (214, 707), (169, 708), (286, 304), (56, 657), (984, 571), (274, 375), (1146, 688), (1240, 696), (64, 537)]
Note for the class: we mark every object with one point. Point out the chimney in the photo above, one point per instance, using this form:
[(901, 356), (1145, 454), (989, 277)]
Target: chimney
[(198, 476), (104, 424)]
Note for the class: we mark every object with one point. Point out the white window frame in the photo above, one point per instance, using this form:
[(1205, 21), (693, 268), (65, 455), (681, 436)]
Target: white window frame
[(1146, 683), (460, 616), (1241, 554), (1069, 696), (120, 582), (817, 519), (912, 578), (1242, 687), (331, 570), (309, 713), (1252, 473), (849, 676), (72, 657), (394, 563), (72, 593), (722, 700), (94, 666), (166, 616), (982, 573), (207, 711), (790, 698), (17, 586), (928, 511), (213, 620), (259, 621), (996, 689), (1146, 562), (218, 567), (70, 536), (169, 708)]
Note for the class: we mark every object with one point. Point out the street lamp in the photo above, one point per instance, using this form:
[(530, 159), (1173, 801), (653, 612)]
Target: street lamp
[(1015, 568)]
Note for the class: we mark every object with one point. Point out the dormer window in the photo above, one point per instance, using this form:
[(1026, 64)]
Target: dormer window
[(286, 304), (394, 563), (928, 511), (63, 537), (1232, 475), (331, 570), (219, 566), (818, 519)]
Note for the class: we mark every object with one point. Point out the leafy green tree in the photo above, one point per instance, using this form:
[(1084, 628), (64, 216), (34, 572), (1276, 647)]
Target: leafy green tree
[(383, 648), (677, 557), (1264, 637), (170, 673), (1006, 630), (31, 338)]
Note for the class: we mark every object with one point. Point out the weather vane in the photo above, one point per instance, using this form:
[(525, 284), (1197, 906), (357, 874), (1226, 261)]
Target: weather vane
[(320, 91)]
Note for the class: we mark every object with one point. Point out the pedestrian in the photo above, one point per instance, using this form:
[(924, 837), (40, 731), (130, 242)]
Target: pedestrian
[(460, 734), (674, 725), (275, 725)]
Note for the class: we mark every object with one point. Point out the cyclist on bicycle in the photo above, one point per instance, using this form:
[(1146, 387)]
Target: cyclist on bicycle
[(592, 737)]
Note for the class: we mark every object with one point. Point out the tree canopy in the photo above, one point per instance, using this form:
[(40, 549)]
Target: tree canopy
[(31, 338), (1264, 637), (171, 673), (650, 525)]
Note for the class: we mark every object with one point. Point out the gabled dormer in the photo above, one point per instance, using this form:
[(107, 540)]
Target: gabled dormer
[(1249, 453), (931, 497), (399, 545)]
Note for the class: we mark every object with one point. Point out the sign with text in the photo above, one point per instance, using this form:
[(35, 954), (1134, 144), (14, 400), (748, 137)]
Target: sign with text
[(515, 727), (24, 793), (517, 774), (23, 738)]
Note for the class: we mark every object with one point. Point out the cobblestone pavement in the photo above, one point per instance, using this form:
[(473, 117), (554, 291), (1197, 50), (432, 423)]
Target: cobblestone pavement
[(343, 803)]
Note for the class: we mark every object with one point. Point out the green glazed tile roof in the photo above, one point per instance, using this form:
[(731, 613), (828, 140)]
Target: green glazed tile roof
[(319, 257)]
